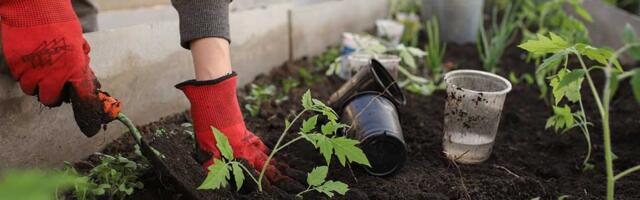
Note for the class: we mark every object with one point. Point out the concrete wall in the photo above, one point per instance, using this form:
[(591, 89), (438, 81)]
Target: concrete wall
[(140, 64)]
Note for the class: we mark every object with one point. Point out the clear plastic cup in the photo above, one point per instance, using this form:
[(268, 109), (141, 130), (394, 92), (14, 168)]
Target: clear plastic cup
[(472, 114), (359, 59), (390, 62)]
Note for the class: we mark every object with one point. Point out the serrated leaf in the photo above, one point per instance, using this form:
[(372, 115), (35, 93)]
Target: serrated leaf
[(309, 124), (223, 144), (562, 118), (571, 89), (329, 187), (571, 77), (317, 176), (551, 63), (307, 103), (602, 55), (238, 175), (345, 149), (217, 176), (635, 84), (331, 127), (323, 143), (544, 45)]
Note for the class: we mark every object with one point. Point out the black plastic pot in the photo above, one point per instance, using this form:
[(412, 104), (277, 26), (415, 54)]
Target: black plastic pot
[(370, 79), (374, 122)]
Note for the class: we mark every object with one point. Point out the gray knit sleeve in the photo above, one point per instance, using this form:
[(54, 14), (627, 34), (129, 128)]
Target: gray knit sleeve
[(201, 19)]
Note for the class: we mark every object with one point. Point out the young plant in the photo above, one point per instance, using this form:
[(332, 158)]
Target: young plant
[(542, 17), (258, 95), (326, 59), (565, 86), (436, 49), (526, 77), (492, 42), (115, 176), (326, 140), (316, 179), (287, 85)]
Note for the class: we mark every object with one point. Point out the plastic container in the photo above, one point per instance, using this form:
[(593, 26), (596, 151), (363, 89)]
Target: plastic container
[(374, 122), (390, 30), (372, 78), (459, 19), (472, 114), (359, 60)]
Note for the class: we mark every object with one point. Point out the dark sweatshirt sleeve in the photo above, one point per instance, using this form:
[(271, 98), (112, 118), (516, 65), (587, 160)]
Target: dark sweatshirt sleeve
[(201, 19)]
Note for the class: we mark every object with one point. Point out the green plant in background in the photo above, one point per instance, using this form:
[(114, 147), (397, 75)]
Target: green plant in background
[(565, 84), (327, 58), (116, 175), (526, 77), (37, 184), (544, 16), (287, 85), (436, 49), (325, 139), (404, 6), (258, 95), (412, 28), (494, 41)]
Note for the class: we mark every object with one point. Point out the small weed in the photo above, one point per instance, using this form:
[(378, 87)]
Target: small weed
[(258, 95), (492, 42), (161, 133)]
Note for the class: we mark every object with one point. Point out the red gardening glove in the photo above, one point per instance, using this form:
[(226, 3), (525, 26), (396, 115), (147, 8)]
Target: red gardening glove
[(215, 103), (46, 52)]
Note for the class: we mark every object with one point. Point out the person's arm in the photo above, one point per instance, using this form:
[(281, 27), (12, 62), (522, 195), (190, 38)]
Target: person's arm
[(204, 28)]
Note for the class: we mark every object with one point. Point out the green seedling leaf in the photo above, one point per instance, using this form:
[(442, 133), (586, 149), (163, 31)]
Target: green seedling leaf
[(587, 167), (238, 175), (309, 124), (582, 12), (408, 59), (317, 176), (307, 103), (331, 127), (544, 45), (571, 77), (635, 84), (569, 88), (416, 52), (329, 187), (223, 144), (562, 118), (614, 82), (323, 143), (217, 176), (630, 37), (551, 63), (601, 55), (345, 149)]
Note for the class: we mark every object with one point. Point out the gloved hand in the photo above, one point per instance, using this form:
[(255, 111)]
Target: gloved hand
[(46, 52), (215, 103)]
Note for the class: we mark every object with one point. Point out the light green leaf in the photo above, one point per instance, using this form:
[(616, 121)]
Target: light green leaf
[(544, 45), (345, 149), (323, 143), (329, 187), (583, 13), (408, 59), (331, 127), (416, 52), (629, 34), (217, 176), (602, 55), (570, 89), (307, 103), (223, 144), (562, 118), (635, 84), (317, 175), (309, 124), (238, 175), (614, 82), (571, 77)]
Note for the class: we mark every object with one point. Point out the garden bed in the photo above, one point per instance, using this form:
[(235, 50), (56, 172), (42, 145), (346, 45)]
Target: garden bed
[(527, 161)]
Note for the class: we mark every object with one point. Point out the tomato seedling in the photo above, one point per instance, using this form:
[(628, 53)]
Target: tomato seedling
[(568, 82), (325, 139)]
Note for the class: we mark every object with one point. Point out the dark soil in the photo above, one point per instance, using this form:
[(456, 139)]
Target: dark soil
[(527, 161)]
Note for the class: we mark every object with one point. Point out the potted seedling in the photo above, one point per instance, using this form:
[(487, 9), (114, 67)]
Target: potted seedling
[(472, 114), (459, 19)]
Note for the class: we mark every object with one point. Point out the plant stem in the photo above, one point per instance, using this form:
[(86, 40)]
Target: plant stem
[(585, 131), (626, 172), (276, 148), (289, 143), (604, 114), (135, 133), (248, 172)]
